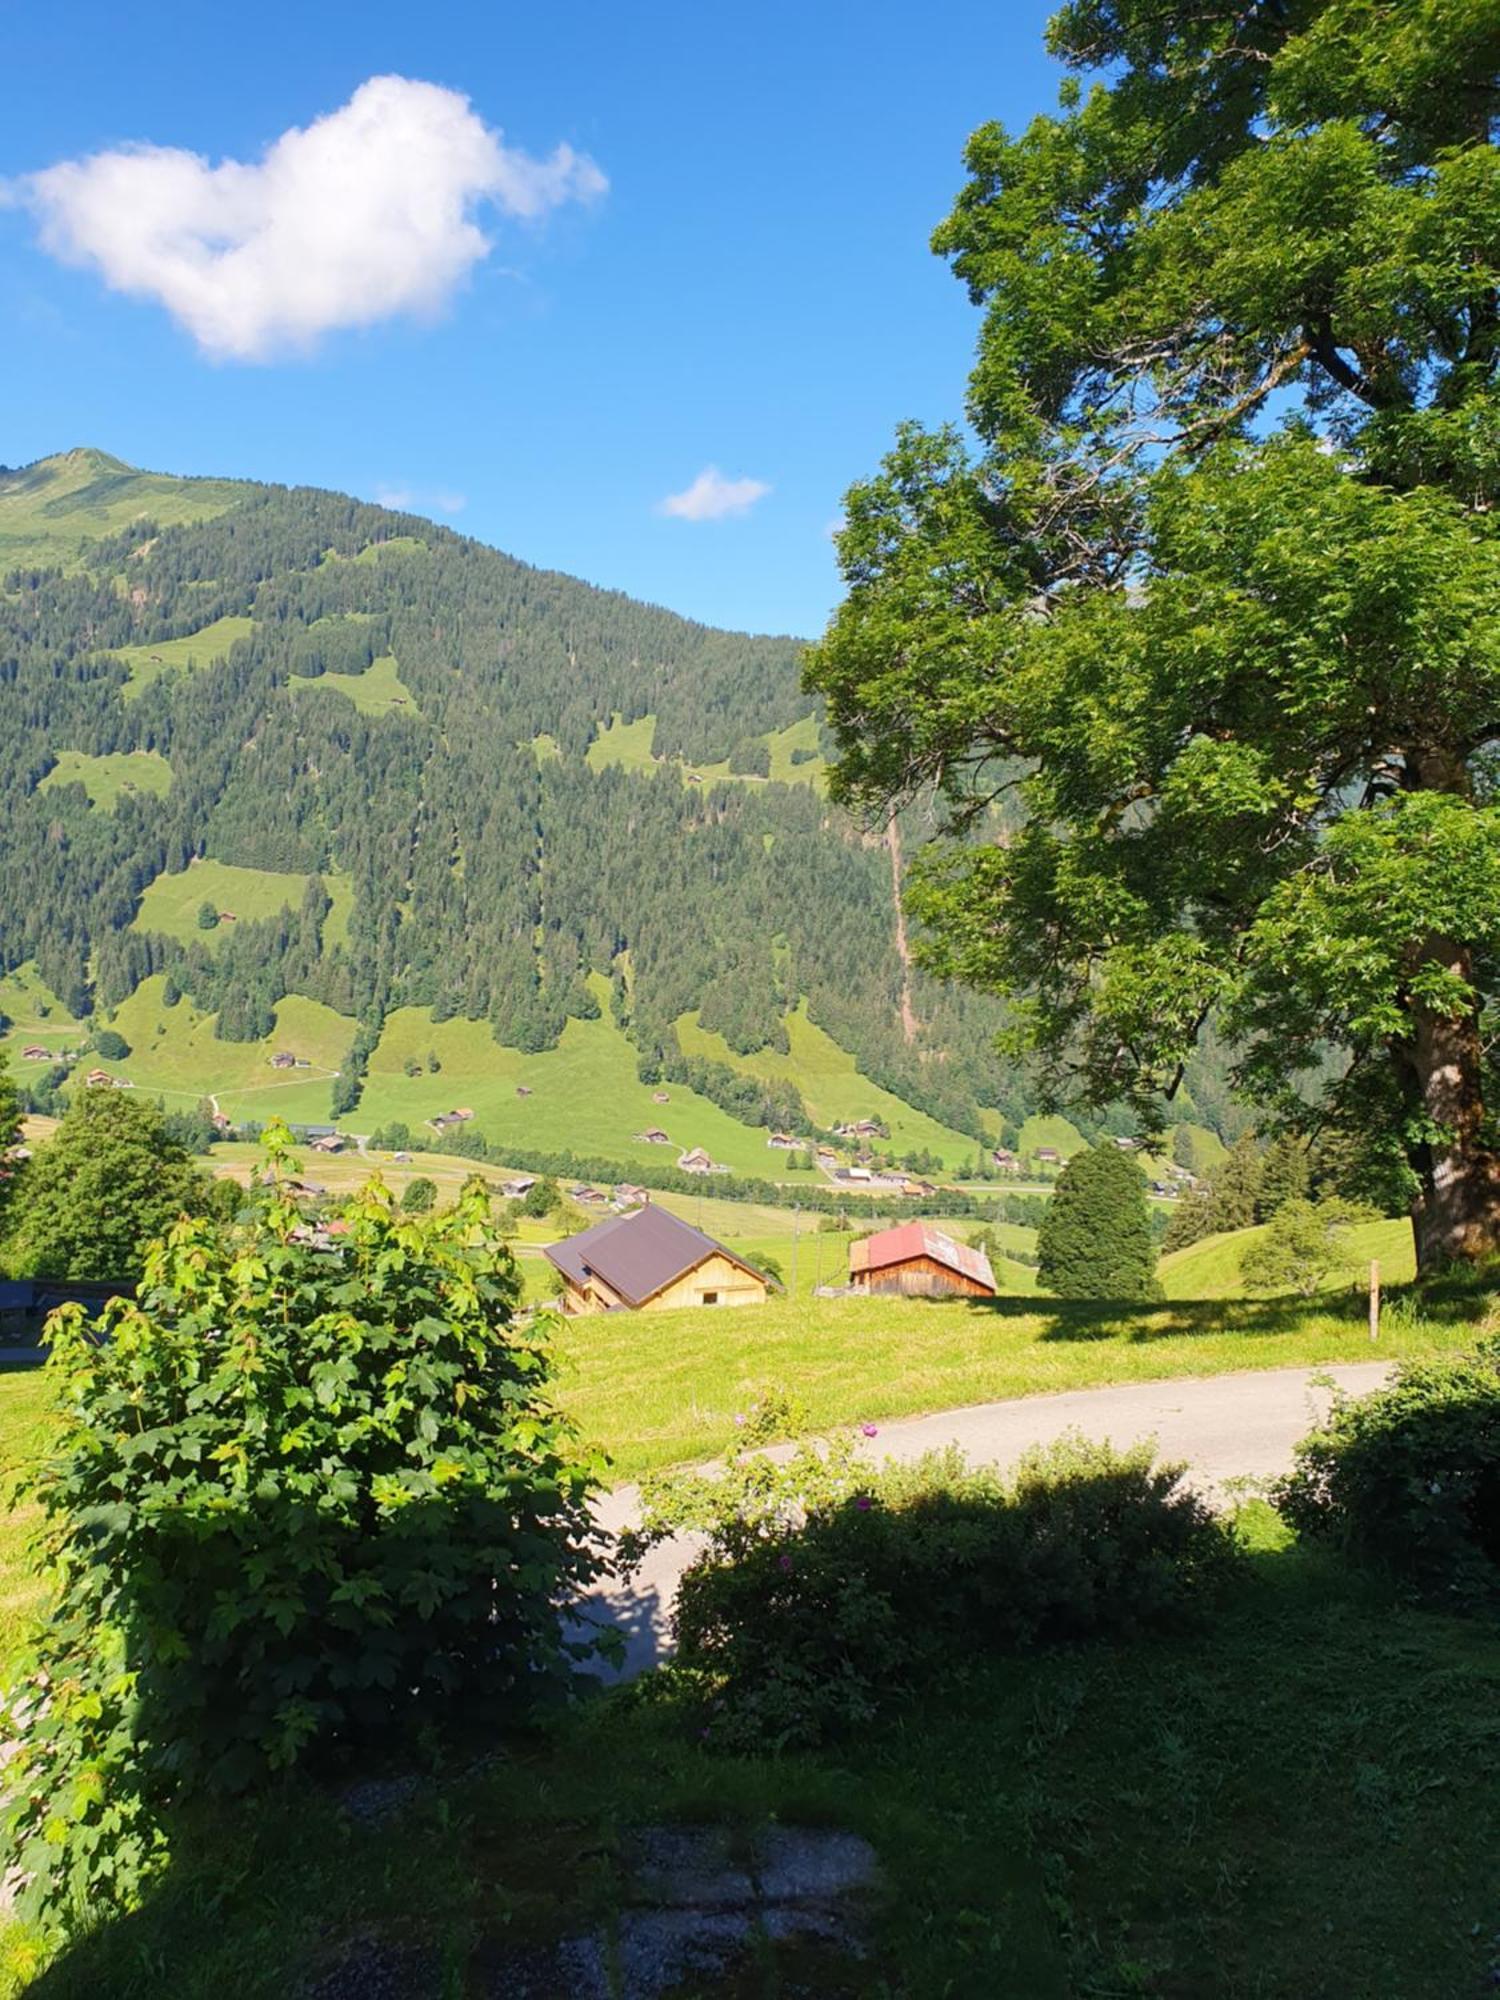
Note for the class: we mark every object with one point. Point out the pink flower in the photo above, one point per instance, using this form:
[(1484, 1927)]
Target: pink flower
[(868, 1430)]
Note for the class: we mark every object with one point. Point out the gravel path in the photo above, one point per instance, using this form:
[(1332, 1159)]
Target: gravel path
[(1226, 1427)]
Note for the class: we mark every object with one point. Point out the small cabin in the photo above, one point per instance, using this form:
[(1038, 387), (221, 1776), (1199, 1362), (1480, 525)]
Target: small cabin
[(920, 1261), (650, 1260)]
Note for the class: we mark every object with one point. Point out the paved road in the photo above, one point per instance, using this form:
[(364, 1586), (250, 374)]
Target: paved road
[(1225, 1427)]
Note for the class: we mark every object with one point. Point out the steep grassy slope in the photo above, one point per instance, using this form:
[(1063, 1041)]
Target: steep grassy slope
[(832, 1086), (50, 510), (1210, 1269), (584, 1095)]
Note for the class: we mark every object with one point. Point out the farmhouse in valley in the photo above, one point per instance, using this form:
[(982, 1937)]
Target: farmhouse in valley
[(650, 1259), (920, 1260), (652, 1136), (696, 1161)]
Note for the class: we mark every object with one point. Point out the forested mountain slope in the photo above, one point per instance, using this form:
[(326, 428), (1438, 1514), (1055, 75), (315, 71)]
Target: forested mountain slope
[(397, 770)]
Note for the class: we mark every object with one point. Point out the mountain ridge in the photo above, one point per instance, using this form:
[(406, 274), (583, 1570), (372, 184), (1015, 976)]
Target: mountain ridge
[(494, 793)]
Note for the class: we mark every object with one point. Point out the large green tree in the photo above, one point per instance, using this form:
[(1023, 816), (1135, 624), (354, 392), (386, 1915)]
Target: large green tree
[(1095, 1236), (105, 1185), (1215, 591)]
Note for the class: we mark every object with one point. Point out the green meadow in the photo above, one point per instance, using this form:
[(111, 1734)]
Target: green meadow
[(625, 746), (175, 1055), (49, 510), (585, 1096), (832, 1085), (379, 690), (1210, 1269), (171, 904), (198, 649), (105, 778)]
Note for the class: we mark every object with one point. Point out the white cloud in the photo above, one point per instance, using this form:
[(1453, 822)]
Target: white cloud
[(366, 213), (712, 497)]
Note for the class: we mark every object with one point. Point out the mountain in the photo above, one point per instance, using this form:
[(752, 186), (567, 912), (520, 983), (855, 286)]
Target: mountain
[(285, 765)]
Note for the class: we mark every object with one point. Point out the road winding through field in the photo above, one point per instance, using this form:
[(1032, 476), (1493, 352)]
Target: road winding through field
[(1226, 1428)]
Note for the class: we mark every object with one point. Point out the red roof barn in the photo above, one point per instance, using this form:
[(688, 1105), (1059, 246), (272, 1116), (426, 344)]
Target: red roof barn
[(920, 1260)]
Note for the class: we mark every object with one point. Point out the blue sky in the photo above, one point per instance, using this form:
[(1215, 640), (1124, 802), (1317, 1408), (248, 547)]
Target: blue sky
[(752, 291)]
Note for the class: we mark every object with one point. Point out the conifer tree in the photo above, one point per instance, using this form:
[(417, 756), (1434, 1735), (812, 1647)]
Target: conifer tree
[(1095, 1237)]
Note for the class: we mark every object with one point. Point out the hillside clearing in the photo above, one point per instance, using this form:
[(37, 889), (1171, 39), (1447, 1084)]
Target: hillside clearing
[(149, 662), (106, 777), (379, 690), (831, 1084), (172, 902)]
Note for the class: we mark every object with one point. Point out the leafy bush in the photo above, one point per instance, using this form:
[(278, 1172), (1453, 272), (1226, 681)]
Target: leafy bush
[(420, 1196), (827, 1586), (1409, 1477), (307, 1490), (1304, 1243)]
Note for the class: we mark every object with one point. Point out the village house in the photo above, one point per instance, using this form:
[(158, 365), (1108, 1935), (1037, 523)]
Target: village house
[(661, 1097), (330, 1142), (652, 1136), (627, 1195), (696, 1161), (861, 1128), (1006, 1160), (283, 1059), (590, 1197), (34, 1052), (920, 1260), (100, 1077), (1047, 1156), (785, 1142), (649, 1260), (520, 1186)]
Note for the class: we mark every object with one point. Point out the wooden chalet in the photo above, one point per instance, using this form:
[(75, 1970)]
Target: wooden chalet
[(921, 1261), (34, 1052), (652, 1136), (650, 1260)]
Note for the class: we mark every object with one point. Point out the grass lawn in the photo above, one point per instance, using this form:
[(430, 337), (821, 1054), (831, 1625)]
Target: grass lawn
[(1295, 1803), (105, 778), (832, 1085), (1210, 1268), (24, 1415), (198, 649), (656, 1388), (377, 691)]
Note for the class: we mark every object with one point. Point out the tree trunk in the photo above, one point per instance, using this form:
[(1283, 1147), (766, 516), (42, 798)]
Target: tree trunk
[(1456, 1215)]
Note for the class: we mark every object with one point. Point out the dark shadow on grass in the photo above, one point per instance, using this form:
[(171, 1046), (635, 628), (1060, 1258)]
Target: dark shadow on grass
[(1455, 1299)]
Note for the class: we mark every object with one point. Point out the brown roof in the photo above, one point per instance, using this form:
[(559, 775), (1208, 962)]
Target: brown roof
[(637, 1255), (920, 1239)]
